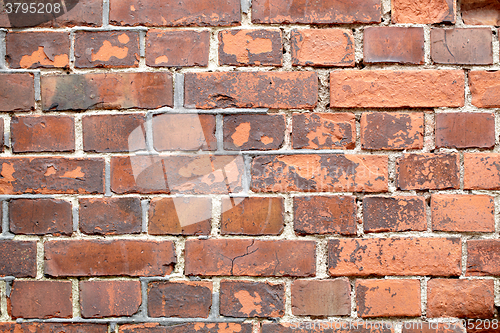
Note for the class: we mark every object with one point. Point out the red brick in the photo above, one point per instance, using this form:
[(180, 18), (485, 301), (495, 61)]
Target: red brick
[(481, 171), (321, 297), (37, 49), (179, 48), (53, 327), (110, 216), (420, 327), (470, 46), (480, 12), (106, 91), (410, 11), (180, 216), (114, 133), (395, 256), (246, 299), (392, 131), (324, 326), (388, 298), (188, 327), (248, 132), (49, 175), (325, 215), (121, 257), (184, 132), (252, 216), (2, 143), (315, 173), (483, 257), (463, 213), (259, 47), (154, 13), (465, 130), (279, 90), (40, 217), (484, 88), (329, 47), (99, 299), (18, 258), (460, 298), (321, 12), (404, 45), (399, 213), (42, 134), (428, 171), (40, 299), (250, 257), (324, 131), (179, 299), (17, 92), (396, 89)]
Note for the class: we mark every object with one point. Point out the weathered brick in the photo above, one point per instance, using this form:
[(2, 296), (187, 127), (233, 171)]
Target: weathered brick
[(179, 299), (40, 217), (470, 46), (404, 45), (280, 90), (187, 327), (388, 298), (99, 299), (392, 131), (246, 299), (42, 134), (37, 49), (395, 256), (323, 131), (114, 133), (436, 11), (109, 257), (154, 13), (106, 49), (53, 327), (180, 216), (110, 216), (249, 47), (246, 132), (400, 213), (325, 326), (332, 172), (179, 48), (2, 137), (483, 257), (106, 91), (17, 258), (465, 130), (325, 215), (480, 12), (481, 171), (469, 213), (428, 171), (434, 327), (460, 298), (484, 88), (40, 299), (250, 257), (17, 92), (48, 175), (321, 297), (321, 12), (327, 47), (389, 88)]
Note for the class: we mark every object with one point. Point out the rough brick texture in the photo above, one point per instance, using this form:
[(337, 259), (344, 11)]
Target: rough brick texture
[(249, 132), (100, 299), (18, 258)]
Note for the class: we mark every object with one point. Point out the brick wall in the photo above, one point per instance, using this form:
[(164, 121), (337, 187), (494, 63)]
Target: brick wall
[(226, 166)]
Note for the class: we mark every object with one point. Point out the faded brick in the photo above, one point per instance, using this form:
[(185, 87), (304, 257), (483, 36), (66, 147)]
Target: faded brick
[(481, 171), (484, 88), (40, 217), (428, 171), (470, 46), (17, 258), (17, 92), (404, 45), (321, 297), (483, 257), (99, 299), (436, 11), (248, 132), (465, 130)]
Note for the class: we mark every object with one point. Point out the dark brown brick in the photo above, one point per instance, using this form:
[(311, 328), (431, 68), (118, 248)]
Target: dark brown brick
[(484, 88), (2, 137), (321, 297), (480, 12), (410, 11), (251, 90), (40, 299), (483, 257), (106, 91), (179, 299), (428, 171), (401, 213), (99, 299), (110, 216), (259, 47), (114, 133), (179, 48), (323, 131), (53, 327), (17, 92), (465, 130), (248, 132), (37, 49), (470, 46), (189, 327), (481, 171), (246, 299), (42, 134), (325, 215), (17, 258), (40, 217), (404, 45), (323, 326), (109, 257)]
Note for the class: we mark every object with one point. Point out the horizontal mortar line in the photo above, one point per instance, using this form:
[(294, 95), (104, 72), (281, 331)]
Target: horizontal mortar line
[(132, 320), (207, 111), (234, 153)]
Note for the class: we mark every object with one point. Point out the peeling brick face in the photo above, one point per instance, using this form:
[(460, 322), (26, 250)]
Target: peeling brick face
[(428, 171), (245, 132), (410, 11)]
